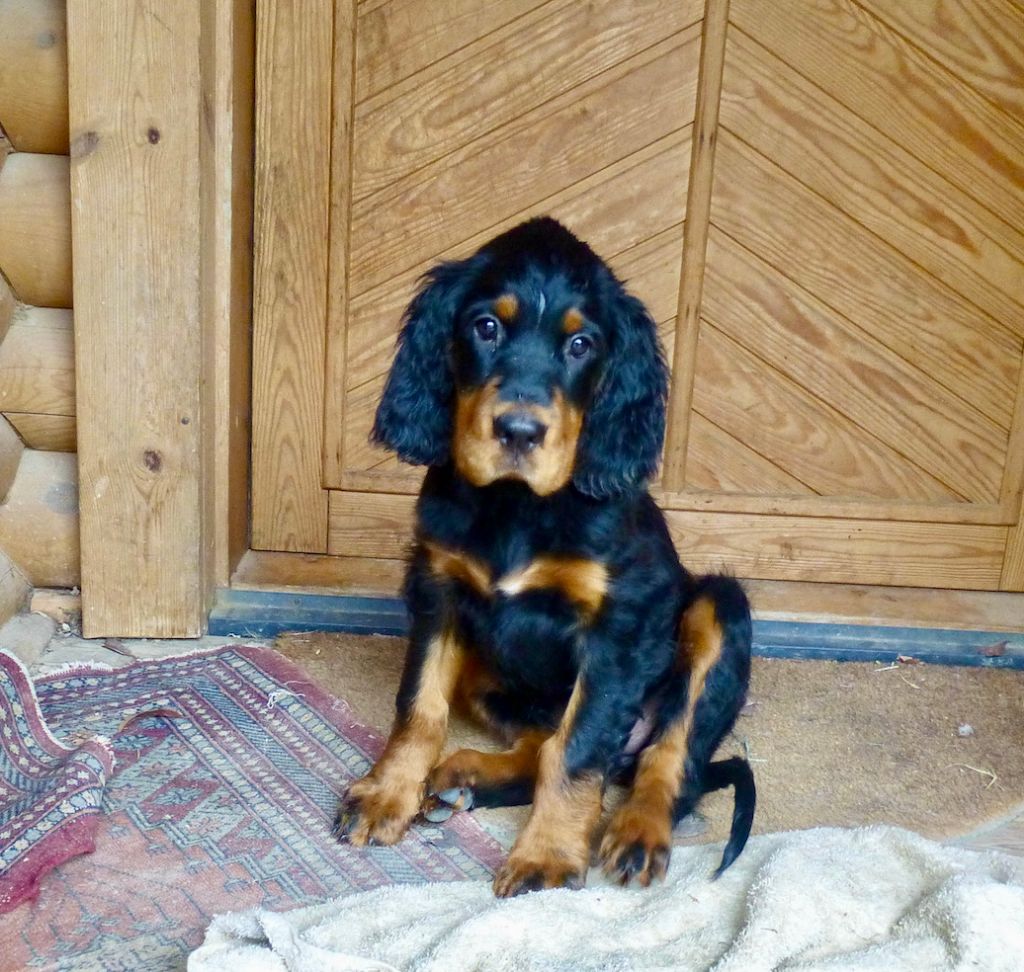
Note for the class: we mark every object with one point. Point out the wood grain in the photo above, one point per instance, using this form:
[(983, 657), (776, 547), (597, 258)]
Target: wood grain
[(817, 349), (891, 606), (399, 38), (35, 239), (718, 463), (799, 432), (338, 305), (136, 113), (228, 51), (900, 90), (319, 573), (695, 240), (537, 155), (618, 210), (292, 181), (772, 600), (884, 292), (874, 177), (981, 43), (37, 363), (841, 551), (777, 547), (451, 103), (49, 433), (371, 525), (34, 75), (794, 503)]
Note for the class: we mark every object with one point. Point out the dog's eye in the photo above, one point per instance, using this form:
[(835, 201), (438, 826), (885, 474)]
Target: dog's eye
[(580, 346), (486, 329)]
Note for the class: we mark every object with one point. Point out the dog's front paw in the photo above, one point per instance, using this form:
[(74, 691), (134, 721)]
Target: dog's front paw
[(636, 847), (377, 811), (524, 872)]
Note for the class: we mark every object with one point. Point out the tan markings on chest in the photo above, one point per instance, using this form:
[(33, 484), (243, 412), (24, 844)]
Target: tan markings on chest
[(581, 581)]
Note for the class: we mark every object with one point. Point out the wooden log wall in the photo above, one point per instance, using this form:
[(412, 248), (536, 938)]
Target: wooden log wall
[(38, 471)]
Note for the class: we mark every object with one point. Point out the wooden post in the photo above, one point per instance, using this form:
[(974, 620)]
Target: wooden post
[(138, 191)]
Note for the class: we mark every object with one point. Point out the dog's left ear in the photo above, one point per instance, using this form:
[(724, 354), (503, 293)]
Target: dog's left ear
[(414, 414), (620, 444)]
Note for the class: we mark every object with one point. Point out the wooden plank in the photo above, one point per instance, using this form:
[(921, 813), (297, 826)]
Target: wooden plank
[(136, 114), (39, 523), (901, 405), (34, 75), (487, 181), (900, 90), (50, 433), (886, 293), (802, 601), (338, 307), (616, 210), (449, 104), (698, 208), (400, 38), (873, 178), (833, 507), (35, 242), (1012, 576), (37, 363), (228, 51), (799, 432), (292, 185), (11, 449), (722, 464), (14, 589), (371, 525), (840, 551), (776, 547), (318, 573), (981, 43), (772, 600)]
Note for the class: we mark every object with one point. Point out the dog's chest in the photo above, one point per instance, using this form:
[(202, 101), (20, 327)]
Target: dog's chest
[(521, 605)]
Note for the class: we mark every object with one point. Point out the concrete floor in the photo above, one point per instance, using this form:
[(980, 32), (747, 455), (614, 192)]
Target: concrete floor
[(44, 644)]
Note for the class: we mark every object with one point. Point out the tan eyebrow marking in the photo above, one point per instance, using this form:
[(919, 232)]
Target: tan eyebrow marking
[(507, 307), (572, 321)]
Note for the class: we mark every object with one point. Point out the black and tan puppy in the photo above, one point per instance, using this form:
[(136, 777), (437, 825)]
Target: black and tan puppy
[(545, 596)]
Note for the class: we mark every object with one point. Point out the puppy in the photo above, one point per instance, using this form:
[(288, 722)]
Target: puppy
[(546, 598)]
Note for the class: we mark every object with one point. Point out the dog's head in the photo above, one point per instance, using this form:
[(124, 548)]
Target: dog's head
[(528, 361)]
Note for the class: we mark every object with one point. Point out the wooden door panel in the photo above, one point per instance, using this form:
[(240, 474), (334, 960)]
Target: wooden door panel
[(797, 431), (900, 89), (802, 338), (848, 344)]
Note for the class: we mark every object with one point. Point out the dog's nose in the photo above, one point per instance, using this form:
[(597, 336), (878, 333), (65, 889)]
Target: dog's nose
[(519, 431)]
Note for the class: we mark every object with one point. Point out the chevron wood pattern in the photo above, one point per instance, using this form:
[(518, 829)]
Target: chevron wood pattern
[(848, 393)]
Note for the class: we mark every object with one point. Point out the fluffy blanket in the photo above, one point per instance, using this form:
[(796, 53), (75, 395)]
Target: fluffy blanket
[(869, 900)]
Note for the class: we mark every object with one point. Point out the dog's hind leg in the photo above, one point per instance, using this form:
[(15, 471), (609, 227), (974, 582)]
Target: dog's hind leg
[(469, 778), (675, 770)]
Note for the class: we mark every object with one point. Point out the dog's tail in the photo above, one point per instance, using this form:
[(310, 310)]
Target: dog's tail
[(734, 772)]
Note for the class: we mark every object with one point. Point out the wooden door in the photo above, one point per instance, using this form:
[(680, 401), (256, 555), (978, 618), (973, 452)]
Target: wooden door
[(833, 261)]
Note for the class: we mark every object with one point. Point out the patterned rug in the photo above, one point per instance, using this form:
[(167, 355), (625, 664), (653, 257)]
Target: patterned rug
[(221, 800)]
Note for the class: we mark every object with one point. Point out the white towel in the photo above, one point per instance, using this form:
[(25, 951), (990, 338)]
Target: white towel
[(876, 899)]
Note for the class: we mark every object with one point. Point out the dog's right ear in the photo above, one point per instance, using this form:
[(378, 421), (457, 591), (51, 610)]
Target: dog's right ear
[(414, 417)]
